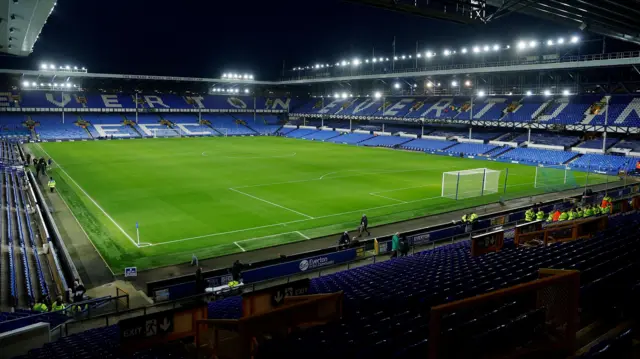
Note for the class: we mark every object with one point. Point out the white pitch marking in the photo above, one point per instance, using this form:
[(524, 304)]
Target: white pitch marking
[(258, 157), (92, 200), (271, 203), (305, 237), (236, 243), (204, 154), (381, 196)]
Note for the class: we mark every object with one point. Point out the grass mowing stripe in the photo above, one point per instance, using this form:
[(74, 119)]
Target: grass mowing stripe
[(186, 196), (91, 199)]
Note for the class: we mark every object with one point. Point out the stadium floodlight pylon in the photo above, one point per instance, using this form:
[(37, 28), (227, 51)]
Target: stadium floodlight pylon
[(470, 183)]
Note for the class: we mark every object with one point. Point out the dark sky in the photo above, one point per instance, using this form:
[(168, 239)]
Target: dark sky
[(208, 37)]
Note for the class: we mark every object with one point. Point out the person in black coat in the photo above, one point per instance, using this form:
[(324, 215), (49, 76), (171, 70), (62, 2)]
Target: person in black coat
[(344, 241), (364, 221), (199, 281), (236, 270)]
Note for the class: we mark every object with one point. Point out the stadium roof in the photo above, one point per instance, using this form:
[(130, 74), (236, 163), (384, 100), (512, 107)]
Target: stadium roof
[(21, 22), (618, 19)]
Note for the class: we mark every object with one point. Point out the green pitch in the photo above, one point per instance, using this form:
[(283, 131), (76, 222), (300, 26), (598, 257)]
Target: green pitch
[(216, 196)]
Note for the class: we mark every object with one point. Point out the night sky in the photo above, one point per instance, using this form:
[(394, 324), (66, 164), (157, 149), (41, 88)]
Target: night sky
[(206, 38)]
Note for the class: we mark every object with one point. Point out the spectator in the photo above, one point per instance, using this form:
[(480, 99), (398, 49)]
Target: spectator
[(236, 270), (344, 240), (194, 260), (404, 246), (364, 223), (395, 245), (28, 159), (78, 291), (199, 281), (556, 215), (58, 304)]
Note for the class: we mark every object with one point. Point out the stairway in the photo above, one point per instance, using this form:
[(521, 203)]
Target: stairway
[(541, 109), (588, 117), (577, 155)]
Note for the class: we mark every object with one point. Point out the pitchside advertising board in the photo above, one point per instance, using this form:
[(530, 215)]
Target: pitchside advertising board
[(298, 266)]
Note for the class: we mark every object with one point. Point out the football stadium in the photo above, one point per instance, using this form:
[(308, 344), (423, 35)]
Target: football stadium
[(383, 201)]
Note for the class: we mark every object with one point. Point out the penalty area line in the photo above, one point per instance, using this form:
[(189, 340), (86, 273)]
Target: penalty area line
[(92, 200), (385, 197), (239, 246), (271, 203)]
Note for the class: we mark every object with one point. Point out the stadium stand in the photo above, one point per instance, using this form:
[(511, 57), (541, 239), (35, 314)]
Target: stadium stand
[(322, 135), (105, 125), (189, 125), (597, 143), (536, 156), (262, 124), (386, 310), (548, 139), (227, 125), (427, 145), (470, 149), (21, 317), (385, 141), (151, 125), (13, 125), (350, 138), (51, 127), (604, 163)]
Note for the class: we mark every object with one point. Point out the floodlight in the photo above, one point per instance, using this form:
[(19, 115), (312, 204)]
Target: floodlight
[(25, 84), (356, 62), (508, 46), (55, 85), (409, 56), (366, 61), (317, 66), (496, 47), (565, 93), (481, 93), (345, 95), (396, 85), (75, 67), (560, 41), (68, 67), (429, 84), (395, 58), (225, 75), (52, 67), (84, 69), (447, 52), (49, 84), (476, 49), (403, 57), (574, 39), (547, 92), (467, 83), (343, 63), (549, 42), (415, 85), (67, 85), (246, 77), (429, 54), (44, 66), (454, 83), (387, 59), (486, 48), (337, 64), (510, 93), (336, 95), (374, 60), (377, 94), (74, 85), (522, 45), (250, 77), (439, 84), (533, 44), (34, 84), (529, 93), (418, 55), (41, 84), (464, 50), (350, 95)]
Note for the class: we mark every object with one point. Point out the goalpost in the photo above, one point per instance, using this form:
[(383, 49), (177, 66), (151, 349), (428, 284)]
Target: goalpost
[(223, 131), (554, 178), (470, 183)]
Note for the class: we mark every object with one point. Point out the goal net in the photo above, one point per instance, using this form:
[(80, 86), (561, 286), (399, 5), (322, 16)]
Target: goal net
[(554, 178), (470, 183)]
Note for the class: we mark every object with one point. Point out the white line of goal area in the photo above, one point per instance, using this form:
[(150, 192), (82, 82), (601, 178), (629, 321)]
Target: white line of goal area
[(237, 243), (94, 201)]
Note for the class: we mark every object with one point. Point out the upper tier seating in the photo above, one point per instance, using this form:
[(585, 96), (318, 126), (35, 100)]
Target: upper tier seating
[(633, 145), (597, 143), (149, 125), (525, 112), (624, 110), (51, 127), (549, 139), (470, 149), (534, 155), (427, 145)]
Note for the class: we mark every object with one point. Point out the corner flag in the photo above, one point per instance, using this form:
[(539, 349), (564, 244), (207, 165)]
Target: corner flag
[(138, 232)]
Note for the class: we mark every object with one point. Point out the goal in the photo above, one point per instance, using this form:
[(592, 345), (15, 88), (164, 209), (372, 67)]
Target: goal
[(223, 131), (470, 183), (554, 178)]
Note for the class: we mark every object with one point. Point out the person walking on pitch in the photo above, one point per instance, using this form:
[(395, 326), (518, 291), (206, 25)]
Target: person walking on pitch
[(364, 223)]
